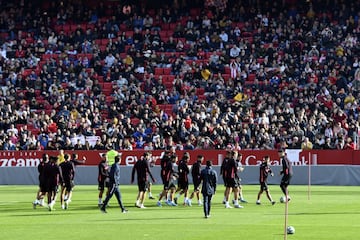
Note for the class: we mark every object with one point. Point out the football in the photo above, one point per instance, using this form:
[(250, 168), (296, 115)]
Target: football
[(290, 230), (282, 199)]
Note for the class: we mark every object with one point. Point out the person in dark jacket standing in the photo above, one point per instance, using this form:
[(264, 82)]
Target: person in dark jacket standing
[(114, 176), (208, 177), (286, 173)]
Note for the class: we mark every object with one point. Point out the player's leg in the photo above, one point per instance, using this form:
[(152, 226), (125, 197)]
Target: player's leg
[(172, 195), (163, 193), (206, 203), (142, 194), (236, 197), (241, 196), (259, 196), (118, 197), (137, 203), (101, 188), (186, 195), (108, 197), (149, 184), (269, 197)]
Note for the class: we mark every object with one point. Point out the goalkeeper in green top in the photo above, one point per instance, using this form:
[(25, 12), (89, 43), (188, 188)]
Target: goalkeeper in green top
[(110, 155)]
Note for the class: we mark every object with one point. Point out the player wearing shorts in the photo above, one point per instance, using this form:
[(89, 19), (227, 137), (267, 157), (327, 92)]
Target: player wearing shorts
[(183, 180), (223, 169), (286, 171), (240, 168), (169, 180), (195, 173), (265, 170), (42, 183), (232, 183), (165, 158), (68, 170), (103, 178), (53, 176), (142, 170)]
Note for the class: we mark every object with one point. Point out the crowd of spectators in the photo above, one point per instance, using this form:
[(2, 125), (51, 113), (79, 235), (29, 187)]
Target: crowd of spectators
[(250, 75)]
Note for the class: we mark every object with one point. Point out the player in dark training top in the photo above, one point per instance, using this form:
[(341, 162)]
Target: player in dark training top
[(53, 176), (195, 173), (286, 173), (142, 170), (42, 181), (183, 181), (68, 171), (103, 177), (265, 171)]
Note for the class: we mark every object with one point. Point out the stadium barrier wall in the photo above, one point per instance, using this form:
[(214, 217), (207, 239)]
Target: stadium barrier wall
[(250, 157), (343, 175)]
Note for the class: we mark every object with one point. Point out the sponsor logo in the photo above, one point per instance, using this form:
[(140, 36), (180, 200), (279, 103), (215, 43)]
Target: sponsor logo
[(19, 162)]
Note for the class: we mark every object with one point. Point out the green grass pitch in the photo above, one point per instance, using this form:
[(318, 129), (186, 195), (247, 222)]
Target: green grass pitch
[(330, 213)]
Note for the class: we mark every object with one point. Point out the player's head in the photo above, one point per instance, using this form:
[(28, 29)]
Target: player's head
[(147, 155), (208, 163), (117, 159), (53, 159), (186, 157), (266, 159), (234, 154), (66, 157), (281, 152), (173, 158), (200, 158), (228, 153), (45, 157), (74, 156)]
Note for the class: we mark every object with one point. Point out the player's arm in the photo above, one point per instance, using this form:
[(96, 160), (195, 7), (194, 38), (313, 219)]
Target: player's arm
[(271, 172), (283, 163), (79, 162), (133, 173), (149, 172), (103, 170), (61, 178), (215, 181), (112, 173)]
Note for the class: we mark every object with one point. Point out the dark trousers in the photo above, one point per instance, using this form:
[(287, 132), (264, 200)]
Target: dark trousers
[(114, 190), (207, 204)]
